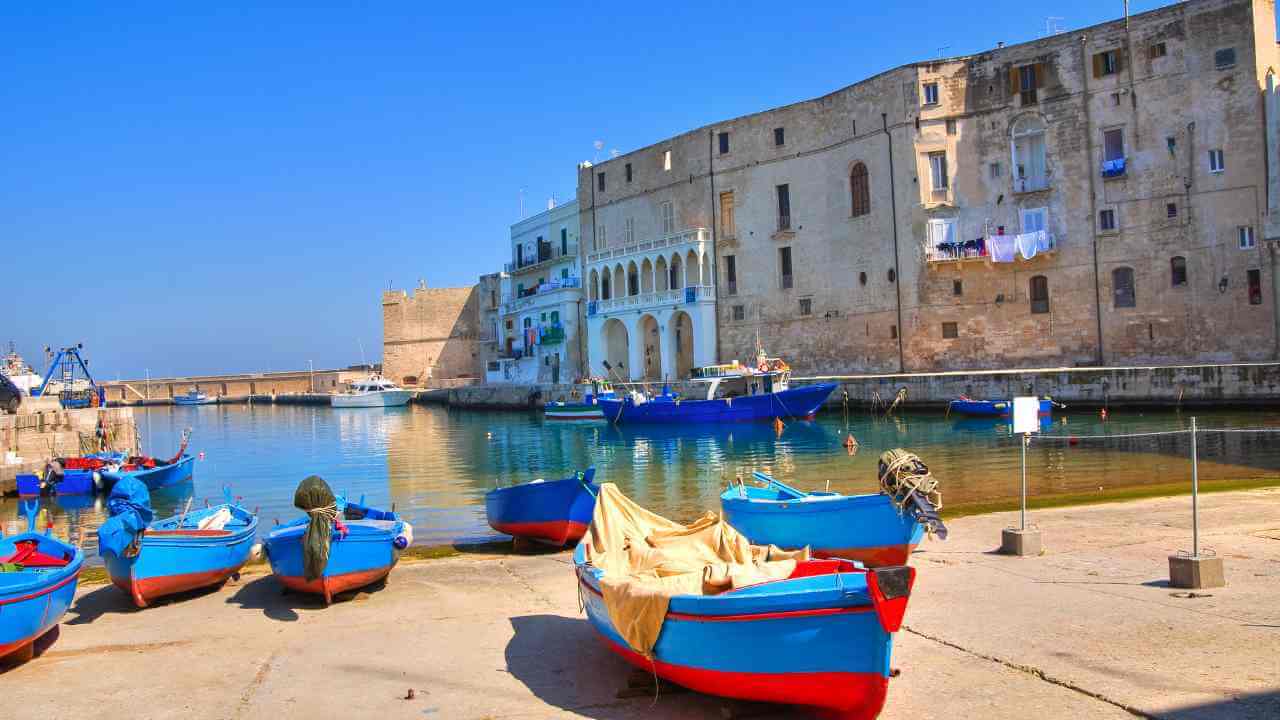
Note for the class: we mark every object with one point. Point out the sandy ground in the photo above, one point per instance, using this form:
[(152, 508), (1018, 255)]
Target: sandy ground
[(1089, 629)]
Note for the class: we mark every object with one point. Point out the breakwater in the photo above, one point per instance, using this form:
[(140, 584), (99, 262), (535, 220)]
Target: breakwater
[(31, 439)]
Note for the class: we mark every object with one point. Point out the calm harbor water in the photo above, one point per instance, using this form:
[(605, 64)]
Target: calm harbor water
[(435, 464)]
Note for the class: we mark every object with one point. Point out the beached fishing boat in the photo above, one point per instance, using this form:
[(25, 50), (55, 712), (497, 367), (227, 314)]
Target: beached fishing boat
[(194, 397), (745, 394), (38, 577), (588, 408), (728, 619), (873, 529), (556, 512), (991, 408), (339, 546), (196, 549)]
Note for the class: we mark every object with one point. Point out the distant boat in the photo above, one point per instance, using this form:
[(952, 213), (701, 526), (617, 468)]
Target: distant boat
[(586, 409), (194, 397), (556, 512), (34, 597), (376, 391), (991, 408)]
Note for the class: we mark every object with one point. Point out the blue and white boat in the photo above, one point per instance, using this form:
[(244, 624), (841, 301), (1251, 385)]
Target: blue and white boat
[(991, 408), (156, 474), (194, 397), (38, 578), (587, 408)]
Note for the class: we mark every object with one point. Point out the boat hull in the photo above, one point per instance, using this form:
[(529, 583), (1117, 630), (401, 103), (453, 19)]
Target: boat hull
[(992, 408), (200, 401), (797, 402), (382, 398), (31, 608), (158, 477), (866, 528), (573, 411), (181, 560), (364, 556), (555, 512), (831, 655)]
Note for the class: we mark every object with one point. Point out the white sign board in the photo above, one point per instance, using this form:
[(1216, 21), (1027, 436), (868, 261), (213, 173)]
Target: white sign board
[(1026, 414)]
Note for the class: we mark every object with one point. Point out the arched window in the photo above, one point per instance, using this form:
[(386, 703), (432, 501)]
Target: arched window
[(1030, 171), (860, 189), (1039, 294), (1122, 290), (604, 286), (1178, 270)]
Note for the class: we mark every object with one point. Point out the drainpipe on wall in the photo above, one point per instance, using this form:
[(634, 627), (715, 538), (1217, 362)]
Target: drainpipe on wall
[(1090, 170), (893, 208), (715, 258)]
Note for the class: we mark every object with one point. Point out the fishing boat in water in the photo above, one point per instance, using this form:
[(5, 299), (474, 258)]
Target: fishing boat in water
[(877, 530), (555, 512), (738, 620), (728, 393), (196, 549), (338, 546), (38, 578), (991, 408), (587, 408), (154, 472), (374, 391), (194, 397)]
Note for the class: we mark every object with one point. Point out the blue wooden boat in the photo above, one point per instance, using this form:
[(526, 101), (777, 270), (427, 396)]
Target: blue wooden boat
[(556, 512), (867, 528), (38, 578), (747, 396), (155, 474), (821, 638), (363, 547), (991, 408), (196, 549)]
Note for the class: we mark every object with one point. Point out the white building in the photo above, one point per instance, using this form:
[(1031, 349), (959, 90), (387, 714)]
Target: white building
[(541, 302)]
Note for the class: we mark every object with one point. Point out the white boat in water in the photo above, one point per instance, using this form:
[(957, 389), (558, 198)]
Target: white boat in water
[(194, 397), (376, 391)]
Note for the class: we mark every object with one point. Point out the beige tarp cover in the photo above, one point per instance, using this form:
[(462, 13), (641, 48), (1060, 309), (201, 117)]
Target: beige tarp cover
[(647, 559)]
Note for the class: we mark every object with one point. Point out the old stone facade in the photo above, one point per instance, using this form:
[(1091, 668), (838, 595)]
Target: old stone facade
[(1131, 167), (431, 338)]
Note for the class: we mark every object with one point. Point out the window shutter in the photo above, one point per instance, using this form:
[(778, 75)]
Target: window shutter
[(1015, 80), (1039, 70), (1097, 65)]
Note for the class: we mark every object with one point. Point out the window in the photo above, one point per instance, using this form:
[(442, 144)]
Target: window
[(950, 330), (1115, 99), (528, 322), (604, 285), (668, 218), (1039, 294), (666, 160), (806, 306), (1029, 164), (1113, 144), (629, 231), (600, 181), (724, 143), (957, 288), (784, 264), (1178, 270), (853, 127), (739, 312), (1217, 163), (564, 273), (1224, 58), (1255, 287), (731, 275), (1107, 63), (779, 137), (931, 93), (564, 241), (892, 275), (1028, 79), (1171, 210), (1172, 143), (784, 207), (633, 281), (1106, 220), (727, 226), (1157, 50), (994, 170), (1035, 220), (1245, 233), (893, 332), (1122, 288), (942, 237), (628, 171), (602, 240), (938, 170), (542, 318), (862, 278), (951, 126), (860, 188)]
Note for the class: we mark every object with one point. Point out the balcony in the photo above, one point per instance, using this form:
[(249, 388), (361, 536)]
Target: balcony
[(994, 249), (692, 236), (536, 295), (1027, 184), (548, 253), (649, 300)]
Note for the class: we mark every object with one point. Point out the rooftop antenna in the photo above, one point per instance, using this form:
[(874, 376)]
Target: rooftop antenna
[(614, 153), (1051, 26), (942, 54), (521, 194), (599, 145)]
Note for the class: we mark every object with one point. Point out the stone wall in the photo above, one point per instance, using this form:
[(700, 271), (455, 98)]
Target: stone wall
[(230, 387), (431, 335), (39, 436)]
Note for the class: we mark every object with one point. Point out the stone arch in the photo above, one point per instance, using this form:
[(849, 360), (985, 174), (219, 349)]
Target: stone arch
[(859, 189), (619, 281), (649, 335), (692, 270), (633, 278), (606, 291), (616, 347), (662, 278), (646, 277), (680, 342), (676, 272), (595, 284)]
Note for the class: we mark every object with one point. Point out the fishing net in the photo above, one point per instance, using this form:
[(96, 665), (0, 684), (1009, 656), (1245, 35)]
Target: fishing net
[(315, 498), (129, 507), (907, 481)]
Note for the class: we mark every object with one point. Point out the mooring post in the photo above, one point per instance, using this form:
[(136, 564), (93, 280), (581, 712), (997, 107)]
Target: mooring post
[(1195, 571)]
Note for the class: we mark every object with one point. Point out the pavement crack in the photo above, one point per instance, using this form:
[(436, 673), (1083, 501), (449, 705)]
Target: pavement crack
[(258, 679), (1034, 672), (525, 584)]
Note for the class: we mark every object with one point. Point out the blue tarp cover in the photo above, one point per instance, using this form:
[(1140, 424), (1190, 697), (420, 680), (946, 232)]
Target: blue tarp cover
[(129, 507)]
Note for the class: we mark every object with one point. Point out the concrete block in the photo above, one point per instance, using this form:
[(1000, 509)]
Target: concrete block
[(1020, 542), (1196, 571)]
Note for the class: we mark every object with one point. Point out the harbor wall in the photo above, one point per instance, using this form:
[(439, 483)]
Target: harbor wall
[(241, 387), (39, 435)]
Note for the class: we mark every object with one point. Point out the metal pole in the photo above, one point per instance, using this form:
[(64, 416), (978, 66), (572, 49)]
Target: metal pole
[(1025, 438), (1195, 494)]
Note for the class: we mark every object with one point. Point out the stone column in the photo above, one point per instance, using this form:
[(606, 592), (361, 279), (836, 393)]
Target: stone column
[(1273, 247)]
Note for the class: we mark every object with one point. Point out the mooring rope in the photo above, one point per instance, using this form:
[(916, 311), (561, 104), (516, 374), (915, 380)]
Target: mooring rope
[(904, 475)]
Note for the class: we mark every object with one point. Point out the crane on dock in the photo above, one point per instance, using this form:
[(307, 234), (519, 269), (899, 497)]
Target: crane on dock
[(65, 363)]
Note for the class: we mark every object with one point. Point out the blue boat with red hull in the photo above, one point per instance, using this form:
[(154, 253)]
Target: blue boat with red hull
[(38, 578), (556, 512)]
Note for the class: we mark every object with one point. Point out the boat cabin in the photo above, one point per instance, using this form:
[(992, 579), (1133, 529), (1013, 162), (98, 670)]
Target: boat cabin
[(374, 383)]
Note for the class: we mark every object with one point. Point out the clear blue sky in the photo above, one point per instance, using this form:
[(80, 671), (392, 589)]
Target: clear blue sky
[(229, 188)]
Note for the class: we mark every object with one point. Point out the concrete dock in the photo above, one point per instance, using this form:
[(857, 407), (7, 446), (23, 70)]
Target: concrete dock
[(1089, 629)]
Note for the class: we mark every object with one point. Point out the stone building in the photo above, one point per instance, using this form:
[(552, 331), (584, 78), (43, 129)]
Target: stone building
[(431, 338), (1100, 196)]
